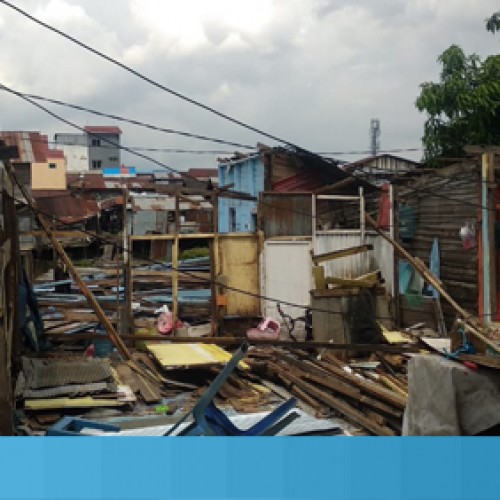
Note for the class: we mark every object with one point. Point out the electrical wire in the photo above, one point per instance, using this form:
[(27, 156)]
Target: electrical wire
[(138, 122), (190, 134)]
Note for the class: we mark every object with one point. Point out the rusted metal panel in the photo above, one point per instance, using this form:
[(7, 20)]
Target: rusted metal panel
[(286, 214), (239, 263), (68, 209)]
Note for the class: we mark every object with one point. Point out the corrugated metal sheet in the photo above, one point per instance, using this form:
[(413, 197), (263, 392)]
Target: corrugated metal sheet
[(152, 202), (302, 181), (380, 258), (68, 208), (41, 373), (32, 146)]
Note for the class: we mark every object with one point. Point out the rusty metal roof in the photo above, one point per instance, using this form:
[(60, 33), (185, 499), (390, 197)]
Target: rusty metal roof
[(203, 173), (67, 208), (99, 129), (32, 146)]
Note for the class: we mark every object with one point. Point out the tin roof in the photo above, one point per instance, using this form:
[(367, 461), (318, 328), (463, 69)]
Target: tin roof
[(99, 129), (67, 208), (32, 146)]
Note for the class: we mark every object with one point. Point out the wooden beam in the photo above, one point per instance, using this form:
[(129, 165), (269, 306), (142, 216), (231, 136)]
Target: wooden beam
[(482, 149), (324, 257), (336, 185), (59, 234)]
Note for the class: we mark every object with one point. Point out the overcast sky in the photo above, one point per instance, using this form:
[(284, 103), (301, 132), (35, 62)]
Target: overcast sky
[(313, 72)]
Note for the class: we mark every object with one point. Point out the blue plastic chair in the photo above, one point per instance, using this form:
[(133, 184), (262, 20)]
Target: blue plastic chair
[(208, 420)]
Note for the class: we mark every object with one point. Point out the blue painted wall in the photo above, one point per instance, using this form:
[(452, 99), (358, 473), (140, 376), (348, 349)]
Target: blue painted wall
[(248, 177)]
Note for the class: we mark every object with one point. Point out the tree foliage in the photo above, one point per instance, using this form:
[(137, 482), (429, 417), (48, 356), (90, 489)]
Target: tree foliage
[(493, 22), (464, 107)]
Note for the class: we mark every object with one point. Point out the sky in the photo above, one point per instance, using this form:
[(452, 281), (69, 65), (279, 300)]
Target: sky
[(311, 72)]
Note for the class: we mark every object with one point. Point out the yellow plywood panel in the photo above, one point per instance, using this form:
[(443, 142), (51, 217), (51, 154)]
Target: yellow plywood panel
[(395, 337), (57, 403), (189, 355), (239, 262)]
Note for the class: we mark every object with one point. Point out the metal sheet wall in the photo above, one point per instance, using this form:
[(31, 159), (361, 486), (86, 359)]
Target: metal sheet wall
[(287, 276), (381, 257)]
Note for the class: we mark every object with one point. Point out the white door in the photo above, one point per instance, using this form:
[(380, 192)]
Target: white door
[(287, 276)]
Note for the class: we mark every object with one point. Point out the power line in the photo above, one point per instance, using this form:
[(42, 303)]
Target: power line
[(102, 138), (185, 175), (138, 122), (192, 135)]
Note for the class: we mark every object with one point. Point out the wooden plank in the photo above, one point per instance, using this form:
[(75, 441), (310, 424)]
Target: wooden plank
[(366, 281), (375, 390), (339, 405), (319, 277), (333, 384), (337, 254)]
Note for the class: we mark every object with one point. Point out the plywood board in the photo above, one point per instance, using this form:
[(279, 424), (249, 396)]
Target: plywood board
[(172, 356), (58, 403), (239, 263)]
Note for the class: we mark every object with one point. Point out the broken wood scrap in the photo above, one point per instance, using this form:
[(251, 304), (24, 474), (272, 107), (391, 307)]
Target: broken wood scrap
[(320, 376), (332, 383), (338, 404), (391, 397)]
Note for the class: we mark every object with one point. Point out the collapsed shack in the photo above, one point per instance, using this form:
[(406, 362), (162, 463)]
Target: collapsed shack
[(146, 383)]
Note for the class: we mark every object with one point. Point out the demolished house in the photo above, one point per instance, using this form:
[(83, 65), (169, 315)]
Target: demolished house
[(290, 329)]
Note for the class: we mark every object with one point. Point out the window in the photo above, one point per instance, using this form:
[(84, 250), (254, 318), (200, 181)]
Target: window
[(96, 142), (232, 219), (52, 165), (96, 164), (113, 158)]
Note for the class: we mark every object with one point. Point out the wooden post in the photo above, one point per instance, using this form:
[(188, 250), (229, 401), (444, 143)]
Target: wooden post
[(175, 264), (394, 234), (488, 238), (215, 265), (125, 310), (9, 329), (113, 335)]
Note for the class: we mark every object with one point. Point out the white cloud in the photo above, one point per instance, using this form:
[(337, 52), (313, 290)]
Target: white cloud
[(311, 71)]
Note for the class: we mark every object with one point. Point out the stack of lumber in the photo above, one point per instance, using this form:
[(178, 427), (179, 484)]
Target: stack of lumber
[(373, 399)]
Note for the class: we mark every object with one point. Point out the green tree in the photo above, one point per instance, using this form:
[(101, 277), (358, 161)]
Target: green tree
[(464, 107), (493, 22)]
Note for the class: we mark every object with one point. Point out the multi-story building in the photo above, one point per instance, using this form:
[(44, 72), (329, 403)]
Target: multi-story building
[(96, 149)]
